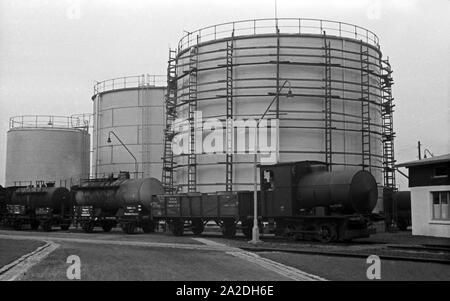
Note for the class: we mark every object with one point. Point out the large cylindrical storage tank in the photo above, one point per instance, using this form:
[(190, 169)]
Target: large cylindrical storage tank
[(240, 67), (129, 110), (48, 149)]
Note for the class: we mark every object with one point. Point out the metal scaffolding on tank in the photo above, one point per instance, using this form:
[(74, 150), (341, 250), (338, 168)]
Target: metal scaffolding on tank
[(171, 101)]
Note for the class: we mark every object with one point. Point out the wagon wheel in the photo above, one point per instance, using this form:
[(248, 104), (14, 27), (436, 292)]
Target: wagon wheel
[(177, 228), (229, 228), (327, 233), (47, 226), (34, 225), (88, 227), (129, 228), (247, 228), (107, 227), (17, 225), (197, 227), (65, 227), (148, 227)]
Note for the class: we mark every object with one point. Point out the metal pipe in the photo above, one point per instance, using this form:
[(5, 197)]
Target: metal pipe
[(402, 173), (418, 149), (123, 144)]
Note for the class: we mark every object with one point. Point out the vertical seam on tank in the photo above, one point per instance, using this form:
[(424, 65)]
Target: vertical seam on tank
[(97, 135), (343, 102)]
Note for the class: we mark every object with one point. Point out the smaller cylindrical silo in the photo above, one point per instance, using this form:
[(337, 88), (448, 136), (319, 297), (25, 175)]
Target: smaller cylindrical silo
[(48, 149), (128, 126)]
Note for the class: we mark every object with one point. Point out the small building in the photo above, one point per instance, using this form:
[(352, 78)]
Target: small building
[(429, 180)]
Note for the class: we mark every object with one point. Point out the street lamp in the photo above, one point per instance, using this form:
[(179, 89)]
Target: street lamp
[(255, 230), (135, 160)]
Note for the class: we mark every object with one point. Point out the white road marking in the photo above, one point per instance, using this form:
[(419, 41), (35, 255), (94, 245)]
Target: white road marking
[(279, 268), (16, 269)]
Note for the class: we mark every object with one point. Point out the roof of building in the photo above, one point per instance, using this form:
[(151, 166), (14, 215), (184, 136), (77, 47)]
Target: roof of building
[(427, 161)]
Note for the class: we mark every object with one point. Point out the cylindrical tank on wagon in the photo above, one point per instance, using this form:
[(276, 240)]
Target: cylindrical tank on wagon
[(129, 110), (112, 195), (356, 191), (48, 149), (246, 64), (52, 197)]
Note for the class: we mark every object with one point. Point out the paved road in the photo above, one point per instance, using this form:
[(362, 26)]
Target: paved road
[(117, 256), (151, 257), (10, 249)]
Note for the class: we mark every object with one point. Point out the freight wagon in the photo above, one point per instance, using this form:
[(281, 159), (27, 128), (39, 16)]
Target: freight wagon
[(194, 210), (302, 200)]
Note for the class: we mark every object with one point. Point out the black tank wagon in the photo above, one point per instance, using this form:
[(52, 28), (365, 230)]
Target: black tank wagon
[(116, 200), (305, 200), (38, 205)]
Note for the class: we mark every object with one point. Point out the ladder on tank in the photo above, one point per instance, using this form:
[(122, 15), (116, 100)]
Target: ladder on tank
[(171, 100), (387, 110), (229, 118), (192, 157), (365, 107), (145, 128), (328, 108)]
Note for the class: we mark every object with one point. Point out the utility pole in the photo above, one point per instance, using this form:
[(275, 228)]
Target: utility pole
[(419, 150)]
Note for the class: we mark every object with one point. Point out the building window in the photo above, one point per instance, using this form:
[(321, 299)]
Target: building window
[(440, 172), (441, 208)]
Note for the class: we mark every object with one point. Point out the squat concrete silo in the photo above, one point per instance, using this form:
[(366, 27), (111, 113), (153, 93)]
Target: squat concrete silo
[(48, 149), (340, 111), (128, 126)]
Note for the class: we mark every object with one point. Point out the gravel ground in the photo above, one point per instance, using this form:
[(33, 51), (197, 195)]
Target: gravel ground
[(11, 250)]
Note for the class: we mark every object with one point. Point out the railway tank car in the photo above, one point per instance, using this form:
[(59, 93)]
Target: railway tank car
[(38, 205), (305, 200), (116, 200)]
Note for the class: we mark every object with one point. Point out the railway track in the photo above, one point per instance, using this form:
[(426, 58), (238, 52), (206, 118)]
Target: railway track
[(417, 257)]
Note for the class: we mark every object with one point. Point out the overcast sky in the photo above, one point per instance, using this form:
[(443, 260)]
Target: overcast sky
[(51, 52)]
